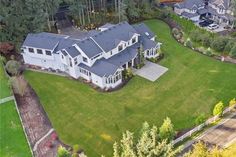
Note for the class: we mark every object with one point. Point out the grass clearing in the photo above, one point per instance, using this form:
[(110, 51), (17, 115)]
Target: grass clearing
[(12, 138), (4, 87), (81, 115)]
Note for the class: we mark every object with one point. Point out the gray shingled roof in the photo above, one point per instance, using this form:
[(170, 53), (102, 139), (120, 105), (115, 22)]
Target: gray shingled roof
[(190, 4), (101, 68), (72, 51), (226, 3), (34, 40), (64, 43), (108, 39), (189, 15), (107, 25), (148, 44), (124, 56), (89, 47), (106, 67), (43, 40), (143, 30)]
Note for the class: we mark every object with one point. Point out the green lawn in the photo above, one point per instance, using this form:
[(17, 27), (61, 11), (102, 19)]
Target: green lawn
[(12, 138), (4, 88), (193, 84)]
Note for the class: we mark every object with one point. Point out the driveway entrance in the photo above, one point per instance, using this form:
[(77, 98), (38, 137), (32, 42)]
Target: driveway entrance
[(150, 71)]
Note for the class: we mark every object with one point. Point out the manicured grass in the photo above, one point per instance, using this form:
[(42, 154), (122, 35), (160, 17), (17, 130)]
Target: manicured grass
[(12, 138), (4, 87), (81, 115)]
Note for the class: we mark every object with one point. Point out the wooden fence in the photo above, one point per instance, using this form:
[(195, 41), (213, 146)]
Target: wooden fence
[(200, 127)]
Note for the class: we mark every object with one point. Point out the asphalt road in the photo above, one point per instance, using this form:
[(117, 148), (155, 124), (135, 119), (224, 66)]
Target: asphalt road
[(221, 135)]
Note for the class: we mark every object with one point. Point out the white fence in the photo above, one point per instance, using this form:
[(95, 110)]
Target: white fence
[(199, 127)]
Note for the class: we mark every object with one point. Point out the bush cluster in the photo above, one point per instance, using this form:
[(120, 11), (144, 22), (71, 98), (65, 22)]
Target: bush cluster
[(221, 44)]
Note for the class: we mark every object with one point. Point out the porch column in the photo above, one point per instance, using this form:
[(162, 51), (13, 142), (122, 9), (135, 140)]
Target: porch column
[(127, 65), (132, 62)]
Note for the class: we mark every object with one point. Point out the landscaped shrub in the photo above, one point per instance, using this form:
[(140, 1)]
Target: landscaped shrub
[(209, 52), (13, 67), (219, 43), (232, 102), (206, 40), (177, 33), (3, 59), (233, 51), (200, 119), (188, 43), (229, 45), (218, 109), (19, 85), (195, 36)]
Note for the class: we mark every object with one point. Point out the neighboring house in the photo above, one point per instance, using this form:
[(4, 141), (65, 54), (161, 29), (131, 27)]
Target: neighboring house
[(99, 58), (217, 10)]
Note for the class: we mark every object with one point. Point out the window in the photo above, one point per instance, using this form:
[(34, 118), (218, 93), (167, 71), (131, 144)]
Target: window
[(62, 56), (120, 48), (133, 40), (75, 61), (39, 51), (31, 50), (85, 59), (85, 72), (48, 53), (111, 52), (70, 62)]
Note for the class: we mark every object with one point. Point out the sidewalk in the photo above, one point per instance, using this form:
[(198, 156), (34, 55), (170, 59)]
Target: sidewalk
[(6, 99)]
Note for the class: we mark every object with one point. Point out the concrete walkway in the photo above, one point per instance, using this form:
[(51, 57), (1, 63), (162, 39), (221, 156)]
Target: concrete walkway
[(151, 71), (221, 135), (6, 99)]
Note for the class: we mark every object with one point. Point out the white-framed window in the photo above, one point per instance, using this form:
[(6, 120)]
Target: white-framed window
[(120, 47), (31, 50), (39, 51), (75, 61), (133, 40), (83, 71), (113, 79), (62, 56), (70, 61), (48, 53), (85, 59)]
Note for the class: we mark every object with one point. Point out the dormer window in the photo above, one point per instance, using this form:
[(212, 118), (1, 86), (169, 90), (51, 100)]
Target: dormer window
[(75, 61), (120, 48), (31, 50), (85, 59), (48, 53), (39, 51), (133, 40)]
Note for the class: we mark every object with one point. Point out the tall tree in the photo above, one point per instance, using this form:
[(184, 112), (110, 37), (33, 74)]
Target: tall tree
[(166, 130)]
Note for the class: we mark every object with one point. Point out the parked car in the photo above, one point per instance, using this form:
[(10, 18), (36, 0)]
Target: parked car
[(213, 26), (205, 23)]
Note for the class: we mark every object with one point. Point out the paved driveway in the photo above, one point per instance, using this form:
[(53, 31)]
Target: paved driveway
[(151, 71)]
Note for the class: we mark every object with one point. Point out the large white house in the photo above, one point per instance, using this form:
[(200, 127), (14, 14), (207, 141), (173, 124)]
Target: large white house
[(99, 58), (218, 10)]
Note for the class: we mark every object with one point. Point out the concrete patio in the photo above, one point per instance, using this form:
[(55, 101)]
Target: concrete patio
[(150, 71)]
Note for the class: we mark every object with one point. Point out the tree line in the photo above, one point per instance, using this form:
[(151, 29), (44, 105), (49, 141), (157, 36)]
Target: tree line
[(18, 18)]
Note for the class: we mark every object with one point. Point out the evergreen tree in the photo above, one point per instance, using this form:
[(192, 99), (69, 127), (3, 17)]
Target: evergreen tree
[(166, 131)]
